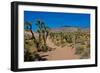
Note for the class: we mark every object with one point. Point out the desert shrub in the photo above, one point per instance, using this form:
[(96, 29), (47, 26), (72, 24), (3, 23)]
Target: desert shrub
[(33, 57), (85, 54), (29, 50), (30, 45), (27, 56), (68, 37), (79, 50), (83, 51)]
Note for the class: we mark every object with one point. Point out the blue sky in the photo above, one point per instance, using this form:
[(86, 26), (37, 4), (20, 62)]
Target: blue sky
[(57, 19)]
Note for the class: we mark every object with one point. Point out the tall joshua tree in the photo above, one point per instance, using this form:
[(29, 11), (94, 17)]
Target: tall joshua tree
[(43, 34), (29, 27)]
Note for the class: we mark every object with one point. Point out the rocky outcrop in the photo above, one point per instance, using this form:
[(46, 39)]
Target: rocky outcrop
[(27, 35)]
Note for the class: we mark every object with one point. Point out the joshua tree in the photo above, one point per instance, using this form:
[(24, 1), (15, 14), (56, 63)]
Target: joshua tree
[(43, 34), (28, 26)]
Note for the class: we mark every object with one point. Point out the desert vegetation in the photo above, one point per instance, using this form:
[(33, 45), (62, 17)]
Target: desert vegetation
[(80, 40), (35, 42)]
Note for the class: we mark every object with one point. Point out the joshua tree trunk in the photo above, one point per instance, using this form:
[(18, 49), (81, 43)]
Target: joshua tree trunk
[(33, 37)]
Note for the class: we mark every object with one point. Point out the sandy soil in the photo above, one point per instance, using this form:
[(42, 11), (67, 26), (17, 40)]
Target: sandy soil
[(65, 53)]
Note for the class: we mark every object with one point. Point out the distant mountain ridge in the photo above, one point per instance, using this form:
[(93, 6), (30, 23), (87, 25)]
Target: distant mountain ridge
[(68, 29), (75, 26)]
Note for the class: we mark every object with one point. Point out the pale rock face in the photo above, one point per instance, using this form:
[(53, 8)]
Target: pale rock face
[(27, 35)]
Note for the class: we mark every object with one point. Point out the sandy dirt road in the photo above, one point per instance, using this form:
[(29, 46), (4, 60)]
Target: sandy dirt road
[(60, 53)]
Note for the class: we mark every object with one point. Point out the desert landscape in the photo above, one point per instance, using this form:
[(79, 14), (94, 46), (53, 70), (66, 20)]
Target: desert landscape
[(61, 43)]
